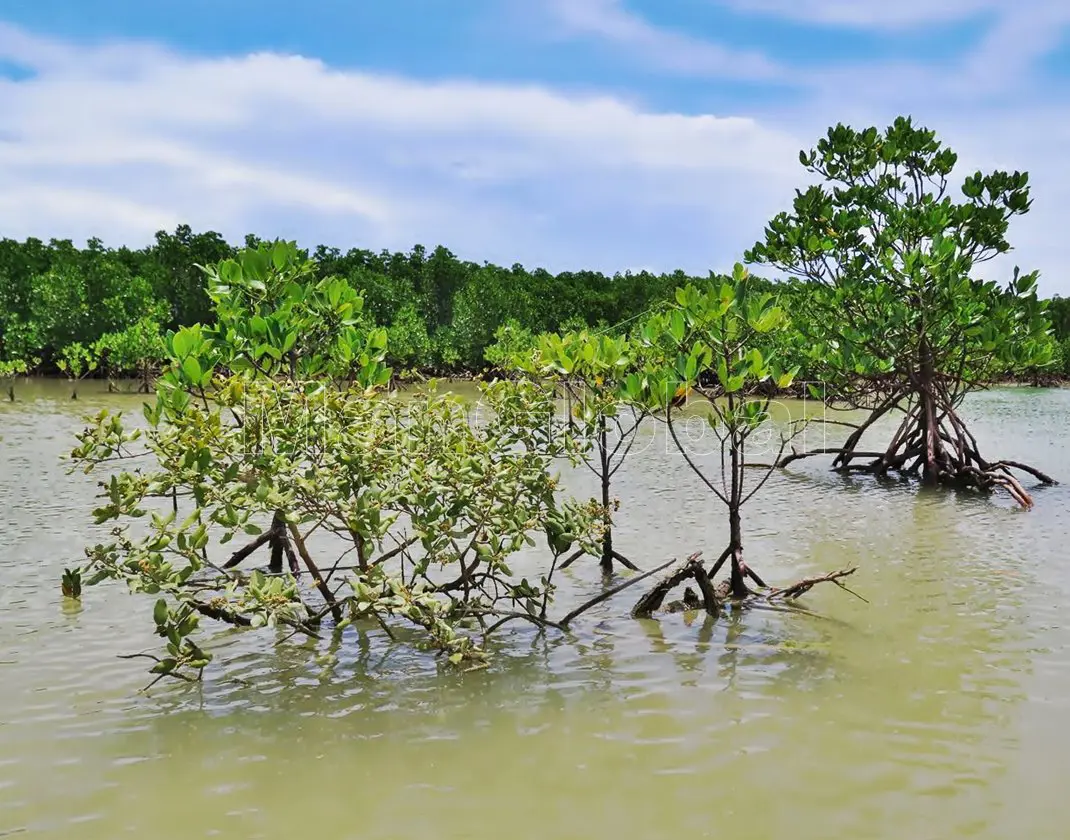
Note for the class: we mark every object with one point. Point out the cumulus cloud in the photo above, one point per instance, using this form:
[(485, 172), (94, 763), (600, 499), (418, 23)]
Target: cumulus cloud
[(995, 104), (120, 139), (665, 48)]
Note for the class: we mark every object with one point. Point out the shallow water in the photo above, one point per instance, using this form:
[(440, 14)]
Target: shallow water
[(939, 709)]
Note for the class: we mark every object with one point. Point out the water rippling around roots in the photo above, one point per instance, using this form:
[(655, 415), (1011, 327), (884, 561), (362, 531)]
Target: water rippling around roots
[(938, 709)]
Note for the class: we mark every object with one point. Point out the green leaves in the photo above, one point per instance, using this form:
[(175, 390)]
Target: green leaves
[(379, 470), (274, 318), (722, 342), (185, 342), (756, 361), (139, 348), (76, 360), (677, 325), (193, 354), (723, 376), (887, 256), (71, 584), (191, 370), (712, 332), (767, 318)]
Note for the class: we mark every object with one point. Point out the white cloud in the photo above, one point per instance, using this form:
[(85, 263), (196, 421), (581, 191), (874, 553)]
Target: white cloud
[(666, 48), (993, 104), (140, 137), (1025, 32), (876, 14), (77, 213), (123, 139)]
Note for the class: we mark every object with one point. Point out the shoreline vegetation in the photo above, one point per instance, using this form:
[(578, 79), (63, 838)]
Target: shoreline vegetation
[(100, 312), (130, 385), (274, 420)]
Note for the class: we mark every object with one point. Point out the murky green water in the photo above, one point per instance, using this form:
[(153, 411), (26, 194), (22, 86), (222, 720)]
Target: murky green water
[(940, 709)]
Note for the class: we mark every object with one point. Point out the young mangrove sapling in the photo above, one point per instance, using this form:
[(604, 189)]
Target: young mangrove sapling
[(720, 344), (593, 369)]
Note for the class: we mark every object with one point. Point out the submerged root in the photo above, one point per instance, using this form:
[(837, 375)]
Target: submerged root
[(712, 597)]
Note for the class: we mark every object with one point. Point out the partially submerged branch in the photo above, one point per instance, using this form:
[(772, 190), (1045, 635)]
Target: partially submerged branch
[(795, 455), (609, 593), (689, 569), (652, 601), (806, 584)]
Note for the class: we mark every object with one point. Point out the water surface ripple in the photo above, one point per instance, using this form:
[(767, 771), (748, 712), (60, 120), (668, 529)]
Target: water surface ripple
[(937, 710)]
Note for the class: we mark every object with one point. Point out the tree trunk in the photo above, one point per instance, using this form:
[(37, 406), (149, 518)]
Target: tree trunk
[(607, 537), (735, 546), (735, 525), (930, 473), (278, 532)]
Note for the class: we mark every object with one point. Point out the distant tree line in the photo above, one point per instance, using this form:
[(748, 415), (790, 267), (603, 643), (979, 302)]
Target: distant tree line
[(65, 308)]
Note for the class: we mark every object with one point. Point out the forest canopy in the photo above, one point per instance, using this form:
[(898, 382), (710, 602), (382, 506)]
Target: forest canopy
[(75, 309)]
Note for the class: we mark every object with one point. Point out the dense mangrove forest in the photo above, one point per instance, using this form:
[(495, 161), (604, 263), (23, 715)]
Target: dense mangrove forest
[(276, 432)]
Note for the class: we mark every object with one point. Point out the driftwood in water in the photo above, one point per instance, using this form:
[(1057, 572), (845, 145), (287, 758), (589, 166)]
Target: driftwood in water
[(689, 569), (806, 584), (713, 597)]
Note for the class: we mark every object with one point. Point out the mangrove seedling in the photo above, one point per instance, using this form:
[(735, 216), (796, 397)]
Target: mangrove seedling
[(593, 369), (71, 584), (719, 344)]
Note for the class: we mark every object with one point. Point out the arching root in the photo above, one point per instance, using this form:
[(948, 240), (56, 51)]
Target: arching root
[(931, 443)]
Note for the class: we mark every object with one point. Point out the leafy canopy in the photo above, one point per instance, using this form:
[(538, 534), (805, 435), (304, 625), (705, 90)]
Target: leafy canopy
[(886, 252), (724, 340), (276, 414)]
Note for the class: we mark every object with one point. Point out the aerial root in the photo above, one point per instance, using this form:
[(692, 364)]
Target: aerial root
[(950, 468), (572, 558), (613, 555), (1043, 478), (995, 477), (932, 443)]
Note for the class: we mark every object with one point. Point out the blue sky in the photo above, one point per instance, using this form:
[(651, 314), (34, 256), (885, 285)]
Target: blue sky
[(608, 134)]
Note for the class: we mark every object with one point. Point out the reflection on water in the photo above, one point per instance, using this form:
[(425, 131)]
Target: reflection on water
[(936, 710)]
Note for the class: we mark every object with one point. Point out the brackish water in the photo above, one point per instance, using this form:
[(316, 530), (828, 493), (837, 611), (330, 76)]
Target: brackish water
[(940, 709)]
